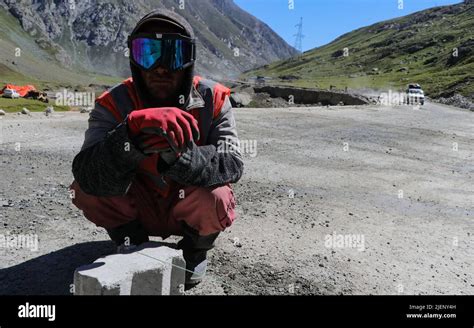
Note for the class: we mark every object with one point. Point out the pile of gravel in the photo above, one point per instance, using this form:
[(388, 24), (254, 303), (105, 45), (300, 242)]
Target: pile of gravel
[(458, 101), (263, 100)]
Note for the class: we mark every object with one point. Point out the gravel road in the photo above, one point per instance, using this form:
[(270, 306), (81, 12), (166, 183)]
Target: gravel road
[(338, 200)]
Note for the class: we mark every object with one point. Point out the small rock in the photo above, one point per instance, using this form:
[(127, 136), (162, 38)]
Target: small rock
[(49, 110), (85, 110), (5, 203), (2, 112), (25, 111)]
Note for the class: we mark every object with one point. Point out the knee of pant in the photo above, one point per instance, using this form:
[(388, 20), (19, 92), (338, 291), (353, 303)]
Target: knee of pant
[(221, 202), (79, 198), (107, 212)]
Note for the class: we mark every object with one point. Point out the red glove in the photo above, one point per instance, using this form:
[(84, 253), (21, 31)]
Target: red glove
[(177, 127)]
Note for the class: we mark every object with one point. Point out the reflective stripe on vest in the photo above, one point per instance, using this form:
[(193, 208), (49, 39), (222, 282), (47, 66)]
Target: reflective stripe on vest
[(106, 100), (219, 93)]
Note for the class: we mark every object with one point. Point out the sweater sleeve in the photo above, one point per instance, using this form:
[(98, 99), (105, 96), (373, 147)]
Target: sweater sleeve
[(108, 160)]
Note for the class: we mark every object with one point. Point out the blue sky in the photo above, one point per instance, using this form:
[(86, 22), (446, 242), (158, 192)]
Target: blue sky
[(325, 20)]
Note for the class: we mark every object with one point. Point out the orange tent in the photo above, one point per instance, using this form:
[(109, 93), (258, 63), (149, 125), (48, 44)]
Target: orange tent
[(21, 89)]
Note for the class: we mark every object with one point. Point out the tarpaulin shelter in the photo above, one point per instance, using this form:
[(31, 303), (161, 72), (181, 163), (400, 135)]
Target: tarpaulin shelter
[(21, 89)]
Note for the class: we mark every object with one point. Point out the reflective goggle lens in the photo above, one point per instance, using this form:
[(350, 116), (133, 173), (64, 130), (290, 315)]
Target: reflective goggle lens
[(171, 53)]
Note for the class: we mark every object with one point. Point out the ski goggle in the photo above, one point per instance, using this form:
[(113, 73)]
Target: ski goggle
[(172, 51)]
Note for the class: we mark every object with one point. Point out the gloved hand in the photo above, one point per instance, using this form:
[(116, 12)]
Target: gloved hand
[(152, 143), (170, 156), (172, 124)]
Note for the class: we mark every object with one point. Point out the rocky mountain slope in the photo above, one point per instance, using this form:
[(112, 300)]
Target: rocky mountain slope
[(90, 36)]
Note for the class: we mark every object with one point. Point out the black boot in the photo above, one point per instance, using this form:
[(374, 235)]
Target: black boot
[(128, 235), (195, 249)]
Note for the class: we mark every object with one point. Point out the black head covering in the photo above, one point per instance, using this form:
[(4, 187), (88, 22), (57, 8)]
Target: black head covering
[(172, 18)]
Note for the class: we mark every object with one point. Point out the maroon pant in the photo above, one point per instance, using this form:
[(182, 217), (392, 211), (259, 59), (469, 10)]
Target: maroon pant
[(207, 210)]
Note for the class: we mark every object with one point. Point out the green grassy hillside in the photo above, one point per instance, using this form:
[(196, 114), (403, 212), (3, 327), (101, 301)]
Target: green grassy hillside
[(421, 48)]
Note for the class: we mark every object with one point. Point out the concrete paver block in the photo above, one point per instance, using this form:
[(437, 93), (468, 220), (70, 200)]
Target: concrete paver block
[(150, 269)]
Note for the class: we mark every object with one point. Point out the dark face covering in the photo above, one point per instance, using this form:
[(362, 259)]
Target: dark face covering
[(163, 87), (163, 84)]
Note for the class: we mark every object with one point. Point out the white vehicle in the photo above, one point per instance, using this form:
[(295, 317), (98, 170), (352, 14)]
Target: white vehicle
[(415, 95), (10, 93)]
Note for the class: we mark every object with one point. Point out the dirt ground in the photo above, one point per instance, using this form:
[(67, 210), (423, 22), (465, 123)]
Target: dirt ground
[(396, 184)]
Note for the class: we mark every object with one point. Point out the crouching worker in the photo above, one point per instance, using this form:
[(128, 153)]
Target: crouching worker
[(161, 148)]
